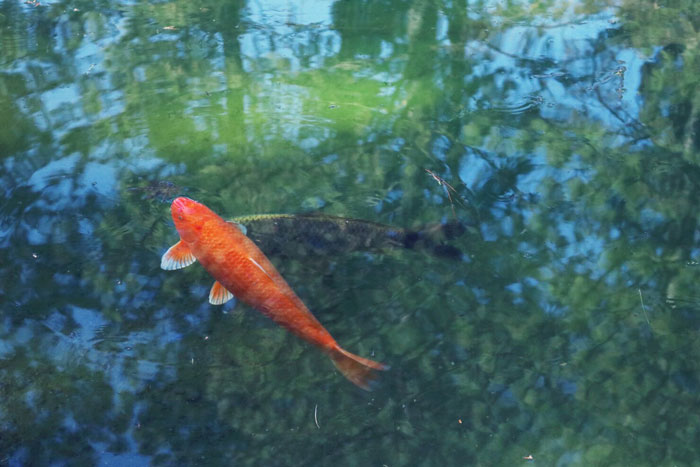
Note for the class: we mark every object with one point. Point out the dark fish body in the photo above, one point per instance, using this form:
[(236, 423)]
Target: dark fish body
[(298, 235)]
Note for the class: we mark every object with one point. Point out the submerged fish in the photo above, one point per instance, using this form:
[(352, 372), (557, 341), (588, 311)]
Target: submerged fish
[(242, 270), (299, 235)]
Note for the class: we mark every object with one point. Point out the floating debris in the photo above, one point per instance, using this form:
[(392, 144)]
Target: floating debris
[(159, 190)]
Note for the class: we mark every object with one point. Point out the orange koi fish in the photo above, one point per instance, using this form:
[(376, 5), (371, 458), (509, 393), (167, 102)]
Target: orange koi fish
[(243, 271)]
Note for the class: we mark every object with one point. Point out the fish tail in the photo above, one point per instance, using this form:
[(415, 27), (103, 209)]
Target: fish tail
[(433, 238), (360, 371)]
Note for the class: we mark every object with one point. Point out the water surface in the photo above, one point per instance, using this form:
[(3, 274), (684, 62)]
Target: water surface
[(564, 133)]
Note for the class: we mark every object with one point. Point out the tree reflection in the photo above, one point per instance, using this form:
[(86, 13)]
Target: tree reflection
[(568, 332)]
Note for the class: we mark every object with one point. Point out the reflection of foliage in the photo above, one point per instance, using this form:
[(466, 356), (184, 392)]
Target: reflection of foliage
[(539, 343), (56, 406)]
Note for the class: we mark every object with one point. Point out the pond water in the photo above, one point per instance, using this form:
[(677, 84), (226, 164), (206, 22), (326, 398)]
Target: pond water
[(564, 136)]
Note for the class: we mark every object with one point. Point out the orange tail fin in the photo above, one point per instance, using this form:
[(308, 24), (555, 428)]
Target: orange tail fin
[(361, 371)]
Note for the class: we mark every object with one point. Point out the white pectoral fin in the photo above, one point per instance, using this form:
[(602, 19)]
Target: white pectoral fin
[(178, 256), (218, 295), (240, 226)]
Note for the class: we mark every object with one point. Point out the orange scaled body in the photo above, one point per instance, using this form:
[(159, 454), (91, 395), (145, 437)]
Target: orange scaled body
[(243, 271)]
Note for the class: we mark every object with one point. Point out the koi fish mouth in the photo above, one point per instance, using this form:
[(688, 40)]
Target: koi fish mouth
[(182, 206), (181, 202), (189, 216)]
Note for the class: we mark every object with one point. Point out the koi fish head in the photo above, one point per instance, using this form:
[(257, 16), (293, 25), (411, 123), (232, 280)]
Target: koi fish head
[(190, 217)]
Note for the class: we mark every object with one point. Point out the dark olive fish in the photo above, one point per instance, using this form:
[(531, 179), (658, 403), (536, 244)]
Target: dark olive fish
[(298, 235)]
